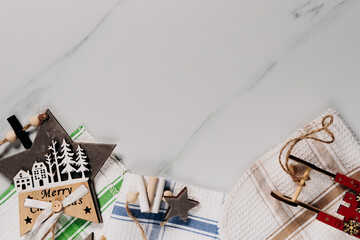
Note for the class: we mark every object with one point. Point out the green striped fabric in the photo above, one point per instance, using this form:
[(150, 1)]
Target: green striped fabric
[(71, 228)]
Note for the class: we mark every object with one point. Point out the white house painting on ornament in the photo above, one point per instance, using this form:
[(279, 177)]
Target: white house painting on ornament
[(55, 169)]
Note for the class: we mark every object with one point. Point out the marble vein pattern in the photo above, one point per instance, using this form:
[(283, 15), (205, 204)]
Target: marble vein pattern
[(192, 91)]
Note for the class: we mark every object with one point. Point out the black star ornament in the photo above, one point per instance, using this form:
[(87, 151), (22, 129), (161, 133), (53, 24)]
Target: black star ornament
[(50, 130), (179, 205)]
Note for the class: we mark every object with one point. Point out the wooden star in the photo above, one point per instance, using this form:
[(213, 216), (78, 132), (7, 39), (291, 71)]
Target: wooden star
[(179, 205), (50, 130)]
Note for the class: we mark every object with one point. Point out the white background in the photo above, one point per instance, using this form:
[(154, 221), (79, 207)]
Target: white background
[(195, 91)]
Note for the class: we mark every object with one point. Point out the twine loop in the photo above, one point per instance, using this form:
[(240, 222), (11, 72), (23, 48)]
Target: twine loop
[(292, 169)]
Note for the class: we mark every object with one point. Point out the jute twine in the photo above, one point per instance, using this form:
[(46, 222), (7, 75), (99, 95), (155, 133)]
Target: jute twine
[(291, 169), (163, 223), (135, 220), (52, 229)]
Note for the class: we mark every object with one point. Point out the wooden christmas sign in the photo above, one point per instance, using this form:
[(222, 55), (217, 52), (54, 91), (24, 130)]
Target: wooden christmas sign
[(53, 177), (55, 185)]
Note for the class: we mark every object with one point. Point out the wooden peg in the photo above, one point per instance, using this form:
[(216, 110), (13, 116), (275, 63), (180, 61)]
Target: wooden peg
[(158, 196), (143, 199), (301, 184), (151, 189)]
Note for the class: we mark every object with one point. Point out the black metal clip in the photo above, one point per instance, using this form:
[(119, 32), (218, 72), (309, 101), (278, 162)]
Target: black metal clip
[(20, 133)]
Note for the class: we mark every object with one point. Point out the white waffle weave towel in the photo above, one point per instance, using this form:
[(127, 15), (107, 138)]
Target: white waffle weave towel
[(250, 211), (202, 220)]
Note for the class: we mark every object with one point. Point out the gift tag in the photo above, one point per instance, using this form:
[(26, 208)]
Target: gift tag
[(83, 208), (55, 176)]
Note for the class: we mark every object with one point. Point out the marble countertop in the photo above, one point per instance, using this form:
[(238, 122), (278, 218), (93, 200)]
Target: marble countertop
[(195, 91)]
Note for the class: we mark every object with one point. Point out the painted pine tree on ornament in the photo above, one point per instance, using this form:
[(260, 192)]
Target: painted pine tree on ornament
[(81, 161), (67, 159), (50, 164), (55, 153), (52, 169)]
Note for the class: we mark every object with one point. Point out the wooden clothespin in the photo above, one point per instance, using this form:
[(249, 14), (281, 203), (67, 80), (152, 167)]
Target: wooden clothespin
[(19, 132), (150, 195)]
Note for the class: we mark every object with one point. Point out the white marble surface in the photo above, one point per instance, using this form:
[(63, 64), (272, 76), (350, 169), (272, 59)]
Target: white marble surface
[(191, 90)]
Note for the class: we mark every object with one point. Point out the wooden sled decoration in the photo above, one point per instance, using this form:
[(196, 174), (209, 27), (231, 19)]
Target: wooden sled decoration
[(351, 222)]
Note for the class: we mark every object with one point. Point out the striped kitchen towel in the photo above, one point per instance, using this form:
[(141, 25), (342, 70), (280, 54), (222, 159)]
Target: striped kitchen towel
[(250, 211), (202, 220), (107, 184)]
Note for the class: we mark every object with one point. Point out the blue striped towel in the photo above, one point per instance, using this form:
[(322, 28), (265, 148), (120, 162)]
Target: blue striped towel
[(202, 220)]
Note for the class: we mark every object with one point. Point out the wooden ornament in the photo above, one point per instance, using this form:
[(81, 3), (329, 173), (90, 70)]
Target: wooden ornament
[(51, 169), (48, 131), (168, 193), (131, 197), (11, 136), (349, 222), (34, 121), (179, 205), (83, 208)]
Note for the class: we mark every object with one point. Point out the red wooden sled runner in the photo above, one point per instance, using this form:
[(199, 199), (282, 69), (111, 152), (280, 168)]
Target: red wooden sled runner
[(350, 224)]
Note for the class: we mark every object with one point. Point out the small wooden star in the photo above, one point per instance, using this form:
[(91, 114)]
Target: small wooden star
[(28, 220), (179, 205), (87, 210)]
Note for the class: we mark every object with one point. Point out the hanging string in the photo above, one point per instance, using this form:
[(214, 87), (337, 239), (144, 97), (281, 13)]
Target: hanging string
[(42, 117), (52, 229), (163, 223), (290, 169), (131, 197), (135, 220)]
